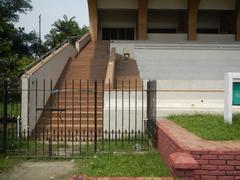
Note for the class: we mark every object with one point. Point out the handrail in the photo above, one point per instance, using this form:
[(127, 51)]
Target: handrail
[(28, 67), (109, 80)]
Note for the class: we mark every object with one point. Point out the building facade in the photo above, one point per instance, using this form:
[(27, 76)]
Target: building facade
[(156, 19)]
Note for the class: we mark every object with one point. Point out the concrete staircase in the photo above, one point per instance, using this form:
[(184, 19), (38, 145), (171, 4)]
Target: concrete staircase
[(127, 75), (75, 100)]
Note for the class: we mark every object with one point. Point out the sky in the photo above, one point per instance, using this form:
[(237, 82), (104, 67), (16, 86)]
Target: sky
[(51, 10)]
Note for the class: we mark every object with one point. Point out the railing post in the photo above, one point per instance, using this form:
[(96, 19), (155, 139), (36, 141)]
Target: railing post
[(5, 110), (151, 109)]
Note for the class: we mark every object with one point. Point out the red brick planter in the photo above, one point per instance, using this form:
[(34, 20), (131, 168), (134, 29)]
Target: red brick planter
[(190, 157)]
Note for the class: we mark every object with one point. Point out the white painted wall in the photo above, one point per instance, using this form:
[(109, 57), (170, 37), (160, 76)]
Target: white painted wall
[(190, 75), (49, 69), (178, 63), (122, 114)]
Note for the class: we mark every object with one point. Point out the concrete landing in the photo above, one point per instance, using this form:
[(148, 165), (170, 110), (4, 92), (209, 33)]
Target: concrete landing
[(40, 171)]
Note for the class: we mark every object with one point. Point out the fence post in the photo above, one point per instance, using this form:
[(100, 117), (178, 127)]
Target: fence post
[(151, 109), (95, 116), (5, 110)]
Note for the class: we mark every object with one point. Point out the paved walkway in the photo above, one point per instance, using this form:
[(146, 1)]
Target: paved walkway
[(188, 141), (40, 171)]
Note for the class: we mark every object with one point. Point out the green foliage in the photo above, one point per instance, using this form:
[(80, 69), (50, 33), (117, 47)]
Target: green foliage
[(210, 127), (62, 30), (10, 9), (13, 66), (17, 48), (147, 164)]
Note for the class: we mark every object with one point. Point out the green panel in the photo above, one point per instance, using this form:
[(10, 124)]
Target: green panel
[(236, 94)]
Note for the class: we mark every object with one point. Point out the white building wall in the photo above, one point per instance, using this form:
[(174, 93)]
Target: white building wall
[(190, 76), (49, 70), (126, 113)]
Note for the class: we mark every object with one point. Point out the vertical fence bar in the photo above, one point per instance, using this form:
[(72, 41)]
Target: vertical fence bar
[(73, 117), (28, 123), (109, 120), (95, 116), (5, 111), (142, 133), (103, 83), (58, 116), (116, 106), (129, 108), (122, 112), (136, 111), (20, 120), (65, 118), (36, 115), (80, 123), (43, 130), (87, 115), (51, 101)]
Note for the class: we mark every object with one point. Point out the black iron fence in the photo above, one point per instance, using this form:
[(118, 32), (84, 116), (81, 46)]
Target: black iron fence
[(74, 118)]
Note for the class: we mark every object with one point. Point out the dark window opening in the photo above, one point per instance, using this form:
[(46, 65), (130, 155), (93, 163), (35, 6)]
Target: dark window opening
[(207, 31), (161, 30), (118, 34)]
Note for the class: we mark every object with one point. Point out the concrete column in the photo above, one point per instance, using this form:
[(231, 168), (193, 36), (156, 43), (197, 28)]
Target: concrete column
[(237, 20), (142, 19), (93, 19), (192, 19)]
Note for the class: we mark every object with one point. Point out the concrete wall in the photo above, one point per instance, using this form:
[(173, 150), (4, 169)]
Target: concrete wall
[(167, 4), (125, 19), (123, 4), (193, 62), (217, 4), (50, 69), (190, 75), (125, 113), (163, 19), (164, 37), (82, 42)]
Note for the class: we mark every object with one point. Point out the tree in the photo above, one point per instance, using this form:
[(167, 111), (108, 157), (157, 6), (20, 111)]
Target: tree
[(62, 30), (17, 48), (10, 9)]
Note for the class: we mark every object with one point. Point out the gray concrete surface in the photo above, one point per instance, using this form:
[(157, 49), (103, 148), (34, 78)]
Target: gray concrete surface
[(59, 170)]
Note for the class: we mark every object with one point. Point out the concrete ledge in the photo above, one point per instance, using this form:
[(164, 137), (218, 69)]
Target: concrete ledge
[(180, 160), (190, 157)]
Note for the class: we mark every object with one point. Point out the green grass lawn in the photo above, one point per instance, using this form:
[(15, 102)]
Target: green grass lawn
[(147, 164), (6, 163), (210, 127)]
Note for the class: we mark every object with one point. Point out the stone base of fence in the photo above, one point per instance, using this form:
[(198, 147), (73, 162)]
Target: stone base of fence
[(190, 157)]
